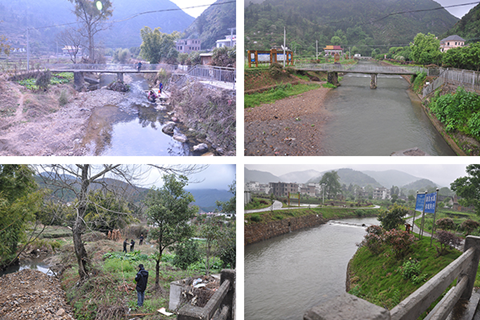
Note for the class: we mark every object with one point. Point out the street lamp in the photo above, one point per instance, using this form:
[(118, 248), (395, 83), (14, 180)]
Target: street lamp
[(323, 190)]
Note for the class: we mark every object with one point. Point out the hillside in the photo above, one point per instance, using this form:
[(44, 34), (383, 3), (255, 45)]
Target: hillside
[(420, 185), (391, 178), (213, 24), (17, 14), (300, 176), (468, 27), (350, 176), (360, 23), (260, 176)]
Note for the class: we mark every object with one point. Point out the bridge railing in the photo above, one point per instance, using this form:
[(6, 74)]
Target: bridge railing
[(213, 73), (120, 67), (363, 68), (464, 269)]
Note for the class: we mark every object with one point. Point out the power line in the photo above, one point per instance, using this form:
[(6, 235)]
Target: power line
[(142, 13)]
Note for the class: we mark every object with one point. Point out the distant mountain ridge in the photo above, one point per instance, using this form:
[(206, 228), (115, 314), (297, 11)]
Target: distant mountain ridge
[(468, 27)]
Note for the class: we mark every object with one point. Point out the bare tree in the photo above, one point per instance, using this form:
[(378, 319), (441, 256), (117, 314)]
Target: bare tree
[(73, 42), (82, 179), (93, 15)]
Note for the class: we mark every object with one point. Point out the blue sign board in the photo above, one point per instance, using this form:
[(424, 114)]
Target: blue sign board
[(420, 202), (430, 202)]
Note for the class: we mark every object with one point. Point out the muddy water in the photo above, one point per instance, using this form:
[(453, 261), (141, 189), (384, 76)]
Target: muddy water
[(34, 264), (133, 128), (287, 275), (368, 122)]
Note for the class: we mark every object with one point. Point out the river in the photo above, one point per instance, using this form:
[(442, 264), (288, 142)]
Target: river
[(366, 122), (287, 275), (133, 128), (34, 264)]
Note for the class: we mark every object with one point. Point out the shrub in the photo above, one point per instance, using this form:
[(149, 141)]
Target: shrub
[(469, 225), (446, 240), (373, 240), (185, 254), (392, 218), (63, 99), (400, 241), (410, 268), (256, 218), (43, 79), (375, 229), (275, 70), (445, 224)]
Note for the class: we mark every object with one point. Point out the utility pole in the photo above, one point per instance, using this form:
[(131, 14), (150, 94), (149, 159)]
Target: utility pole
[(284, 45), (231, 36), (316, 49), (28, 49)]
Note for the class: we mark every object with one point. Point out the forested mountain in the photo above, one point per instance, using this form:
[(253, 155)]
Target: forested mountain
[(16, 15), (213, 23), (204, 198), (363, 24), (468, 27), (391, 178), (420, 185), (354, 177), (260, 176), (300, 176)]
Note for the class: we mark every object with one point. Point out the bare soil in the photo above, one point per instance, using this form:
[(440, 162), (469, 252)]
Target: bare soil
[(291, 126), (35, 124), (31, 294)]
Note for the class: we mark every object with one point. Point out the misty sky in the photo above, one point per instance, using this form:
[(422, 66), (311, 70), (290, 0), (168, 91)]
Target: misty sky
[(442, 174), (457, 11), (191, 3)]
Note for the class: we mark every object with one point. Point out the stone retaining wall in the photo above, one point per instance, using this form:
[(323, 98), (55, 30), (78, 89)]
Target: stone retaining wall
[(263, 231)]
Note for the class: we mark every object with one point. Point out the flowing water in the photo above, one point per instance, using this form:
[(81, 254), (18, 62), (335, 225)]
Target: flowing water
[(133, 128), (378, 122), (287, 275), (34, 264)]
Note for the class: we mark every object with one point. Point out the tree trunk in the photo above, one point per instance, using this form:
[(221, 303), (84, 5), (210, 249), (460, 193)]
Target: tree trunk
[(80, 251), (157, 272)]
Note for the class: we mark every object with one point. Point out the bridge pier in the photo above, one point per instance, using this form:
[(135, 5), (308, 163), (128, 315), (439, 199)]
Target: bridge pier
[(332, 77), (120, 76), (373, 81), (78, 80)]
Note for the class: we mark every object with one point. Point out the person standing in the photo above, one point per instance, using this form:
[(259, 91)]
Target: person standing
[(141, 239), (132, 245), (139, 66), (125, 245), (160, 87), (141, 279)]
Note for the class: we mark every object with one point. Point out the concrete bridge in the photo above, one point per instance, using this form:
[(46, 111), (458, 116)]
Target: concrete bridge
[(374, 70), (221, 74), (460, 302)]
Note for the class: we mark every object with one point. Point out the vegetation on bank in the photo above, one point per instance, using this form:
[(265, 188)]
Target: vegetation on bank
[(326, 212), (258, 203), (385, 279), (460, 222), (278, 93), (36, 84)]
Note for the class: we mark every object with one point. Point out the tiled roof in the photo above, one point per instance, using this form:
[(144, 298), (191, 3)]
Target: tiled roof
[(453, 38)]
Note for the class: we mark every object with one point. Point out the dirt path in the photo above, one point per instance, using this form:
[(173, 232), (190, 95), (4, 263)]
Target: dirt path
[(289, 127), (36, 124), (31, 294)]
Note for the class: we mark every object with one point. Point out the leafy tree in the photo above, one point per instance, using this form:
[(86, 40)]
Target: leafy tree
[(224, 56), (18, 204), (186, 253), (93, 17), (336, 41), (121, 55), (227, 247), (391, 219), (469, 187), (229, 206), (4, 46), (157, 46), (72, 39), (446, 240), (212, 233), (469, 225), (425, 49), (332, 184), (105, 211), (445, 224), (169, 212)]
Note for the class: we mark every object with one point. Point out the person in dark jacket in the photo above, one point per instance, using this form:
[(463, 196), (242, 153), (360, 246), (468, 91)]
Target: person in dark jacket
[(125, 245), (141, 239), (141, 279), (132, 244)]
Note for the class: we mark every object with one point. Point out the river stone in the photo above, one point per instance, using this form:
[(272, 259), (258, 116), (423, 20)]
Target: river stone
[(202, 147), (208, 154), (180, 137), (169, 127)]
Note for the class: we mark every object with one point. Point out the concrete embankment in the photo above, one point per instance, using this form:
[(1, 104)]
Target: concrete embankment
[(263, 231)]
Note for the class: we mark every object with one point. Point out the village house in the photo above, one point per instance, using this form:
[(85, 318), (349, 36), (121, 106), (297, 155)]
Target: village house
[(188, 45), (381, 193), (229, 41), (281, 189), (332, 50), (451, 42)]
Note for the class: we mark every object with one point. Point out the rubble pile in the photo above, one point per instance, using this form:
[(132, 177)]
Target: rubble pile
[(31, 294), (198, 291)]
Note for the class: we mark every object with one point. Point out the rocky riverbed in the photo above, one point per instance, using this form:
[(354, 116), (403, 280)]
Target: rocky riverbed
[(31, 294)]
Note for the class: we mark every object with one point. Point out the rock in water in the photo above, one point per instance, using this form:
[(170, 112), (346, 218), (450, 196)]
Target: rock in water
[(180, 137), (168, 128), (202, 147)]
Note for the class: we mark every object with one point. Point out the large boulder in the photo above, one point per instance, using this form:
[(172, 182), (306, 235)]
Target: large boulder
[(169, 128)]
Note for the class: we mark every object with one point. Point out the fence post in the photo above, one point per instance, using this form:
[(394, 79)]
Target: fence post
[(471, 241)]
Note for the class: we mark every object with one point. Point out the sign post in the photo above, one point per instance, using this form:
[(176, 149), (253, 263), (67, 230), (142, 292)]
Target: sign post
[(419, 205), (431, 207)]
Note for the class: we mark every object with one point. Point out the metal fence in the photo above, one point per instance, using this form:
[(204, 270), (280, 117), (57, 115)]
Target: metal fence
[(470, 80), (359, 68), (213, 73)]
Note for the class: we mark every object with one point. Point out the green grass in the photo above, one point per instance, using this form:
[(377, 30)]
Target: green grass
[(278, 93), (326, 212), (258, 203), (57, 78), (457, 217), (378, 278)]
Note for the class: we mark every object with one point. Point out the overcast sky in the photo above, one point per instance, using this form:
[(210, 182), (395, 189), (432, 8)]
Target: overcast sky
[(443, 174), (458, 12), (195, 12)]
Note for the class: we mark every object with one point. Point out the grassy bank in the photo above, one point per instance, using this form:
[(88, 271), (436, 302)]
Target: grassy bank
[(110, 290), (379, 279), (326, 212), (457, 217), (278, 93), (258, 203)]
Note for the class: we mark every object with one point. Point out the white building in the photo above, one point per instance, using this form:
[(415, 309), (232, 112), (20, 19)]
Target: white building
[(229, 41)]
